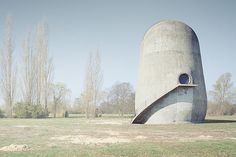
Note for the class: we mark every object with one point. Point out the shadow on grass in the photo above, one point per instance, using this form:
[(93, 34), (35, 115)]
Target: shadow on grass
[(219, 121)]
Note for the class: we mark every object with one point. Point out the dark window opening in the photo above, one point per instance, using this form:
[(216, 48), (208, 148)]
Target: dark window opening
[(184, 79)]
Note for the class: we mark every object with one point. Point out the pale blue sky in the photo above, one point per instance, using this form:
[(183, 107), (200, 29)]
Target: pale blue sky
[(116, 28)]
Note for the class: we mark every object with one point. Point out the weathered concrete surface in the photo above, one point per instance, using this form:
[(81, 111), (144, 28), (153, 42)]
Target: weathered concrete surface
[(169, 49)]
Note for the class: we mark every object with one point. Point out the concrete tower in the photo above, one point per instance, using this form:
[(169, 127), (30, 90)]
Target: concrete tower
[(170, 87)]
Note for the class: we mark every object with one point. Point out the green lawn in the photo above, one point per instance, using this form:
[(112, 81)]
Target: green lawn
[(112, 136)]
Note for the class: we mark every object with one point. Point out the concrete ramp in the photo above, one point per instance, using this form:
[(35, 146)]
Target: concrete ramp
[(174, 106)]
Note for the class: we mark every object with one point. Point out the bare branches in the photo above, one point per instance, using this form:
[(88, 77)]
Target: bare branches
[(28, 71), (44, 68), (37, 68), (8, 73), (121, 96), (93, 84), (61, 95), (223, 89)]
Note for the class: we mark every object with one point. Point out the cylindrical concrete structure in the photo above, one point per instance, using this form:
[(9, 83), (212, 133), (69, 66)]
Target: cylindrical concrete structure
[(170, 86)]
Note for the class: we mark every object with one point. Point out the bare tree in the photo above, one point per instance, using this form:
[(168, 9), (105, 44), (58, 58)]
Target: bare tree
[(44, 68), (93, 84), (87, 94), (222, 97), (28, 71), (8, 73), (121, 97), (61, 95), (223, 90)]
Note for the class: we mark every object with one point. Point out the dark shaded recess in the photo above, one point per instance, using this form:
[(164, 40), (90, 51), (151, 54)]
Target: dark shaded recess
[(218, 121), (184, 79)]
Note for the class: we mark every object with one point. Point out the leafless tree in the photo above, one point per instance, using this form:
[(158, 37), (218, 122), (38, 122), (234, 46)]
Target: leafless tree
[(223, 91), (121, 97), (222, 97), (93, 84), (28, 71), (8, 72), (61, 95), (44, 68)]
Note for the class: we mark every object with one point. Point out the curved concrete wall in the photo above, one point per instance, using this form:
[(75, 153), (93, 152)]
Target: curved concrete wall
[(169, 49)]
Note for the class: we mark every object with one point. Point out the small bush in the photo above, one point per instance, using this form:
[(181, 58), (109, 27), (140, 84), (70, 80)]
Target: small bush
[(2, 114), (98, 113), (39, 112), (23, 110), (27, 110), (66, 114)]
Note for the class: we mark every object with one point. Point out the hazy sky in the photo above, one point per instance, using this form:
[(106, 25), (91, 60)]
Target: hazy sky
[(116, 28)]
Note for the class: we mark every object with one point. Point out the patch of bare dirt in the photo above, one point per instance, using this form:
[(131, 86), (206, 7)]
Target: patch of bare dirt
[(84, 139), (26, 126), (109, 122), (112, 133), (140, 137), (204, 137), (231, 138), (14, 147)]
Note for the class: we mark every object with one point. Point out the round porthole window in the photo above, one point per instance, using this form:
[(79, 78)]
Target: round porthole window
[(184, 79)]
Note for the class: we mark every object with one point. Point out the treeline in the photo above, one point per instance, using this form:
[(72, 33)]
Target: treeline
[(28, 82), (119, 99), (28, 89)]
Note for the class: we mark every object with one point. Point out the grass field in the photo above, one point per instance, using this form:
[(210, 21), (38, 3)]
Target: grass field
[(110, 136)]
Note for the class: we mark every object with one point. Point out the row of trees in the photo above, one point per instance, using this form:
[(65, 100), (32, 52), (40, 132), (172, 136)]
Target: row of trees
[(30, 83), (28, 90), (119, 99), (37, 68)]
